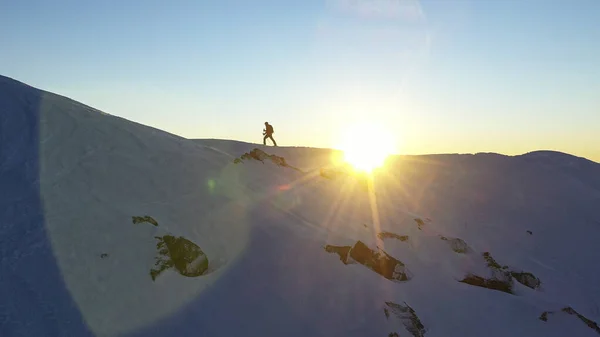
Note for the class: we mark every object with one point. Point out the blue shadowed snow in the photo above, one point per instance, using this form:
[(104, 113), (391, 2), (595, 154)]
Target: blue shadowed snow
[(34, 299), (287, 277)]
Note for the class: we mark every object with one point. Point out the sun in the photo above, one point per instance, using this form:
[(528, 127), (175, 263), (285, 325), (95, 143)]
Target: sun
[(367, 146)]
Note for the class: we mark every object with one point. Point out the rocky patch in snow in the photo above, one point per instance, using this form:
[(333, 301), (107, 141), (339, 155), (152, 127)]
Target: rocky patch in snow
[(493, 283), (376, 260), (571, 311), (525, 278), (407, 316), (144, 219), (388, 235), (260, 155), (457, 245), (181, 254), (491, 263), (502, 277), (420, 223)]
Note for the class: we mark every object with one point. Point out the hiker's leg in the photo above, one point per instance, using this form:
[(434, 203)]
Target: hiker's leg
[(265, 140), (273, 139)]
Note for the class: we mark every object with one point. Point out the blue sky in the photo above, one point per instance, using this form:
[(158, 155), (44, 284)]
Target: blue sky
[(443, 76)]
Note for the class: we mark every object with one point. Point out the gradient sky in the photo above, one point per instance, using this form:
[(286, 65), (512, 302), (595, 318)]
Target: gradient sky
[(444, 76)]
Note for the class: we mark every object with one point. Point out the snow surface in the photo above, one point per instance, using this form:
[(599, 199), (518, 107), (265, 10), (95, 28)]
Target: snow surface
[(74, 263)]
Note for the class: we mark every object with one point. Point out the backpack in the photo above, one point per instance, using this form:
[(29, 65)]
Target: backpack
[(270, 129)]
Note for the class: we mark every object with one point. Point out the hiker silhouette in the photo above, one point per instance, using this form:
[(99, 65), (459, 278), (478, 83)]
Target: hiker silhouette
[(268, 133)]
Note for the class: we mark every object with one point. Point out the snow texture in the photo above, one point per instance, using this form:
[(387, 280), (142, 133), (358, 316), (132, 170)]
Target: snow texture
[(112, 228)]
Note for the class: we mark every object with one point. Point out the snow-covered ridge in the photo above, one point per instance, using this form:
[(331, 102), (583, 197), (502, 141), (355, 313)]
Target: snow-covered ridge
[(109, 227)]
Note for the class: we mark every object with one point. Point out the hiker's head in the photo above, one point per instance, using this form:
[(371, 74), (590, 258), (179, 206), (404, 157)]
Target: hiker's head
[(266, 123)]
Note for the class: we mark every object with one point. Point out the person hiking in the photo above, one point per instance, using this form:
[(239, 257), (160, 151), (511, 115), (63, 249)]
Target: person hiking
[(268, 133)]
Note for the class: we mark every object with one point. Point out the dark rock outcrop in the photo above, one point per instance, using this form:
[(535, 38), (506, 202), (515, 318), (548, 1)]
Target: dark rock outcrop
[(568, 310), (544, 316), (181, 254), (502, 277), (378, 261), (588, 322), (407, 316), (142, 219), (260, 155), (490, 283), (457, 245), (491, 263), (388, 235), (420, 223), (526, 279)]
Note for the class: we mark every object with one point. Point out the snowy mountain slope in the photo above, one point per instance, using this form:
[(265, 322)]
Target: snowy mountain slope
[(109, 227)]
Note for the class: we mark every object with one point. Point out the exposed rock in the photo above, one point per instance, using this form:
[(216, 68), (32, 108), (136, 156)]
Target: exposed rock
[(103, 255), (588, 322), (591, 324), (420, 223), (407, 316), (378, 261), (544, 315), (457, 245), (142, 219), (491, 283), (527, 279), (502, 277), (387, 235), (260, 155), (179, 253), (492, 263), (530, 232), (500, 274)]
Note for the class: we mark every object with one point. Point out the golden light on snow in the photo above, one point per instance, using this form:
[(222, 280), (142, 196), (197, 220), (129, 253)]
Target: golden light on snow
[(366, 146)]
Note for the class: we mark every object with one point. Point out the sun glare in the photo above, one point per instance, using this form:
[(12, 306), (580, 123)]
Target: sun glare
[(366, 146)]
